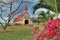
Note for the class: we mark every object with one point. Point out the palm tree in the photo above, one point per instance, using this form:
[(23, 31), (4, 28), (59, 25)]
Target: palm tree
[(53, 5), (43, 17)]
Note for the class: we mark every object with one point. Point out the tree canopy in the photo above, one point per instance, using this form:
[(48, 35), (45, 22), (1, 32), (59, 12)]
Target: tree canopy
[(53, 5)]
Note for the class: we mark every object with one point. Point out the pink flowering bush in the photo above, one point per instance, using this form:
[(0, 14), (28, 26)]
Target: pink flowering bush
[(51, 30), (35, 30)]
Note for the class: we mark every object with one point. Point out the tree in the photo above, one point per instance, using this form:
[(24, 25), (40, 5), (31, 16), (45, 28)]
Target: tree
[(44, 16), (10, 15), (53, 5)]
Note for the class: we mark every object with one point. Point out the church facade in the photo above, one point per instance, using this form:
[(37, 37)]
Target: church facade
[(23, 18)]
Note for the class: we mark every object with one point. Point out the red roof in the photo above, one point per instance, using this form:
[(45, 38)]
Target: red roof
[(20, 16)]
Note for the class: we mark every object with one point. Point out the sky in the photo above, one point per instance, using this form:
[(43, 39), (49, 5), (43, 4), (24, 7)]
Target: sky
[(29, 3), (34, 1)]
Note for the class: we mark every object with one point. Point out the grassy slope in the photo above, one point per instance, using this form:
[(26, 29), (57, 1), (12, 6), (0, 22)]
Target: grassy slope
[(18, 32)]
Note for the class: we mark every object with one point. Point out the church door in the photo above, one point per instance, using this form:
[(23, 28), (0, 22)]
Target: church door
[(26, 22)]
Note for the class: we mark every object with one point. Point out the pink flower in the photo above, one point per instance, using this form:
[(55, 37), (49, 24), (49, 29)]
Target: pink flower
[(57, 21), (9, 14), (35, 29), (38, 38), (50, 29), (48, 23), (58, 37), (46, 38)]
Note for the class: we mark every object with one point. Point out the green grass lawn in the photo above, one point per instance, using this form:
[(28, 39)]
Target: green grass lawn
[(17, 32)]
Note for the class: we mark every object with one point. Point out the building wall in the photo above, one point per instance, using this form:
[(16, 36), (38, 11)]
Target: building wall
[(23, 21)]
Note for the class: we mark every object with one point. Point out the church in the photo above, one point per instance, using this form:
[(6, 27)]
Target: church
[(23, 18)]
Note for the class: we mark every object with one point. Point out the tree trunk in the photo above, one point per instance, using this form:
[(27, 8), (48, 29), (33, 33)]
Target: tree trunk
[(4, 28)]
